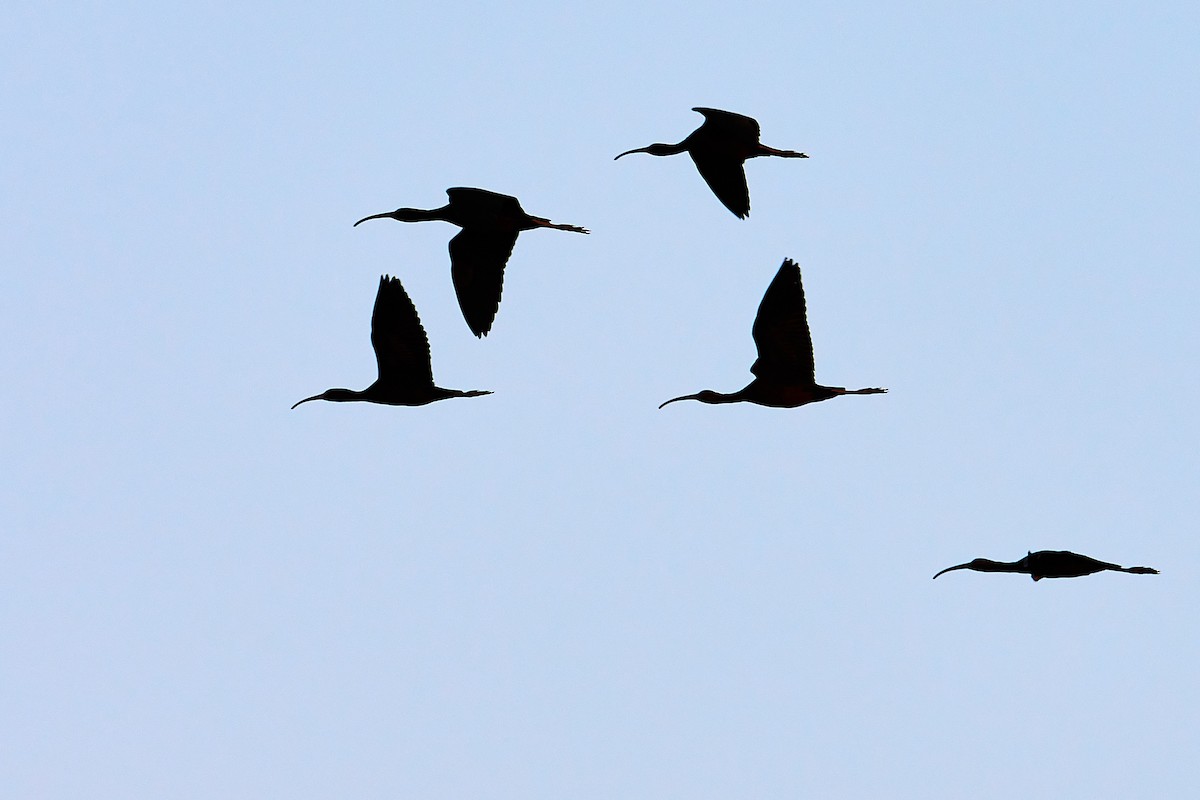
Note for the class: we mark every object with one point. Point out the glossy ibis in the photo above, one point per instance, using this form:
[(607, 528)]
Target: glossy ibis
[(1049, 564), (720, 147), (490, 224), (783, 373), (402, 354)]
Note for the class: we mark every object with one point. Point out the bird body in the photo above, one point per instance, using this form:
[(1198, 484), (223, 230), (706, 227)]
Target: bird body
[(490, 225), (784, 374), (719, 149), (401, 354), (1049, 564)]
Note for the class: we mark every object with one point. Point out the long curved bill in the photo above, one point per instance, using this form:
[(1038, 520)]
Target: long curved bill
[(385, 215), (305, 400), (676, 399), (638, 150), (951, 569)]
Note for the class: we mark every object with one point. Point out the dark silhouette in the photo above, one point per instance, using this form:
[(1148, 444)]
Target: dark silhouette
[(1050, 564), (490, 223), (402, 354), (784, 376), (720, 147)]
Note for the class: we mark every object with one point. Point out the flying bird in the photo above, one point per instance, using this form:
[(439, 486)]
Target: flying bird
[(1050, 564), (490, 224), (719, 148), (402, 353), (783, 374)]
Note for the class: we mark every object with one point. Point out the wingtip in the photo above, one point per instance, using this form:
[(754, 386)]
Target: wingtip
[(480, 324)]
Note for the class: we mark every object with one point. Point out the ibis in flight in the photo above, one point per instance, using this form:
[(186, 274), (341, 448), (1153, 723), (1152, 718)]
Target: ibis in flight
[(490, 223), (783, 374), (720, 147), (1050, 564), (402, 354)]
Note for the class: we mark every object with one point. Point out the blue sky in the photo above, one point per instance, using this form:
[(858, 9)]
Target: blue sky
[(559, 590)]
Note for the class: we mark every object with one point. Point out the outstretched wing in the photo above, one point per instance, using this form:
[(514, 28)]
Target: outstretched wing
[(477, 259), (781, 330), (401, 346)]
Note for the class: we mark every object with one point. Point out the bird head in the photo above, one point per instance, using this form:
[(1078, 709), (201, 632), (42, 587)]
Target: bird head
[(705, 396), (656, 149), (396, 215), (979, 564), (334, 395)]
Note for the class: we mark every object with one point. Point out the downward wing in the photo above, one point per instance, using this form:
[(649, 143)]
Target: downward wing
[(726, 177), (477, 259), (781, 330)]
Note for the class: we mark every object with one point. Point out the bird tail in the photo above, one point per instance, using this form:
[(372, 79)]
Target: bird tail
[(542, 222), (771, 151)]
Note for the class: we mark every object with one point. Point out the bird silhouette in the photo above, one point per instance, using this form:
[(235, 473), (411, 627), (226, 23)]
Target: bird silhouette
[(783, 374), (720, 147), (402, 354), (1050, 564), (490, 224)]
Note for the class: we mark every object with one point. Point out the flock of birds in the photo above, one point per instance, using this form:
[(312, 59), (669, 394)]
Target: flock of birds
[(784, 375)]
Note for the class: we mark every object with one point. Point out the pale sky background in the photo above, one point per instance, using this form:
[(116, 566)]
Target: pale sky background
[(559, 592)]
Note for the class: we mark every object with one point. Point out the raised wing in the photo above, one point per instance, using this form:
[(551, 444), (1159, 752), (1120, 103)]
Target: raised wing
[(781, 330), (477, 259), (401, 346)]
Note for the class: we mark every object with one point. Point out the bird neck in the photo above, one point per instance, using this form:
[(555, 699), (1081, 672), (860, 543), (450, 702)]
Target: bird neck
[(419, 214), (659, 149), (410, 215), (987, 565)]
